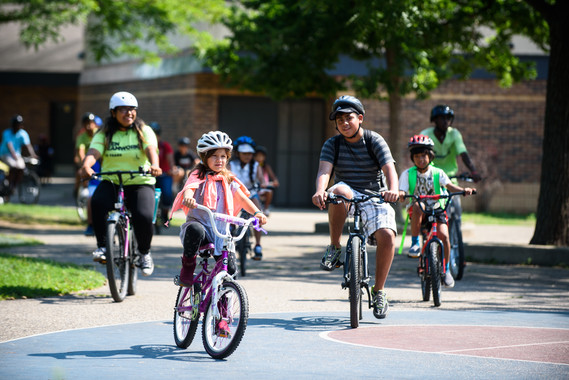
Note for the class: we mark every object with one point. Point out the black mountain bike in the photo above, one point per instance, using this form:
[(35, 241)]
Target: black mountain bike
[(356, 273), (454, 212)]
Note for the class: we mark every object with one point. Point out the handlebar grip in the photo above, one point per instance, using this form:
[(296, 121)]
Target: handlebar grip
[(474, 192)]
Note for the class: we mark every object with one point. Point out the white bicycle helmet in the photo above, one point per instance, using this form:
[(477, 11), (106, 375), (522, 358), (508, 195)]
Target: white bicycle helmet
[(122, 98), (214, 140)]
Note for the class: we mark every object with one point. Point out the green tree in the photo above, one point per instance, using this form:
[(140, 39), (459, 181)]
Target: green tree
[(287, 48), (552, 222), (136, 28)]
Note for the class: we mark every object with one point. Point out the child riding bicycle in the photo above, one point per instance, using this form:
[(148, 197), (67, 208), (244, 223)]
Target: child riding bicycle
[(360, 160), (247, 170), (426, 179), (210, 184)]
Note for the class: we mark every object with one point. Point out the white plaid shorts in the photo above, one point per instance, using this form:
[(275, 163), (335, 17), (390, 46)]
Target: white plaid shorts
[(375, 215)]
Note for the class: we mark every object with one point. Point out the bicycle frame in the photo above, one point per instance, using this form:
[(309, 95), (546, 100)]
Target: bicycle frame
[(208, 280), (356, 233), (120, 208), (431, 213)]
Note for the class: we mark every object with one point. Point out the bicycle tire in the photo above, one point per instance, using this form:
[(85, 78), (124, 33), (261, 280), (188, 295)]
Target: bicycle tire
[(29, 188), (425, 281), (81, 203), (234, 307), (186, 322), (457, 257), (435, 264), (132, 268), (354, 284), (117, 265)]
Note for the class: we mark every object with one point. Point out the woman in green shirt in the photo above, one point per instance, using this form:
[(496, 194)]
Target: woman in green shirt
[(124, 143)]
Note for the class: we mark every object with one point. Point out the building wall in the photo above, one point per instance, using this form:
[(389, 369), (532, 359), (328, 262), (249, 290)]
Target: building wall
[(36, 103), (502, 128)]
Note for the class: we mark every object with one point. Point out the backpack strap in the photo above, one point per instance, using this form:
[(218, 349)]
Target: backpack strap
[(367, 141)]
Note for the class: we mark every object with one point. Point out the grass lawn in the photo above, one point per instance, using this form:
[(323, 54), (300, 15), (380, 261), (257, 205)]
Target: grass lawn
[(39, 214), (24, 277)]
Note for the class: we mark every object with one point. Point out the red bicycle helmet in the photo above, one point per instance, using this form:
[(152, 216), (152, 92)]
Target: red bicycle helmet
[(420, 141)]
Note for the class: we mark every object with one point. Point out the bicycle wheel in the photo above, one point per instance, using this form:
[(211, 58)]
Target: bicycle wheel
[(117, 264), (29, 188), (186, 321), (435, 263), (234, 310), (457, 259), (81, 203), (356, 270), (425, 281), (132, 267), (242, 247)]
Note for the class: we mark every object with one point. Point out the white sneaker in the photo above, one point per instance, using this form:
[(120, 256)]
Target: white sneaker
[(99, 255), (449, 280), (414, 251), (146, 264)]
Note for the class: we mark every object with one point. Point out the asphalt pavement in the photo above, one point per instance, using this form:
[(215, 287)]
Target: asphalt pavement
[(500, 321)]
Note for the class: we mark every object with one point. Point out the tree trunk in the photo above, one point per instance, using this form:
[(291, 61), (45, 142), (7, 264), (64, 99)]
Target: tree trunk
[(552, 225)]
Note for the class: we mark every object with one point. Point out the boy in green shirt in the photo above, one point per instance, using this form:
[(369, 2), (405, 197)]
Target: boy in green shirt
[(426, 179)]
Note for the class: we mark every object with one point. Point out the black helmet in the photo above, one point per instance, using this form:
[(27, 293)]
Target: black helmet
[(17, 120), (156, 127), (347, 103), (184, 141), (88, 116), (261, 149), (441, 109)]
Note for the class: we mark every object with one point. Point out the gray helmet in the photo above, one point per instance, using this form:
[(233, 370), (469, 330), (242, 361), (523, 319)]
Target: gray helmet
[(347, 103)]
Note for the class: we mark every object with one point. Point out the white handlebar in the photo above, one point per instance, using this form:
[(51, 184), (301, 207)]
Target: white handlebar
[(213, 216)]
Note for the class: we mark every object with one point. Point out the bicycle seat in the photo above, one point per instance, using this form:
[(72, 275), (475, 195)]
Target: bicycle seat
[(206, 250)]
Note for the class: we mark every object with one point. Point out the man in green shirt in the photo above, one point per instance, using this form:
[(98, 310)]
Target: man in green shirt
[(448, 143)]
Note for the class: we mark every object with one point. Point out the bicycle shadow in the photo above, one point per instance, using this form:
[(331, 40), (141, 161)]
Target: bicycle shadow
[(316, 323), (136, 352)]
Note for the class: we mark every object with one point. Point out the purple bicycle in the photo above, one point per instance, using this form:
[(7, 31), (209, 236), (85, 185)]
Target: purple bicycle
[(122, 257), (216, 294)]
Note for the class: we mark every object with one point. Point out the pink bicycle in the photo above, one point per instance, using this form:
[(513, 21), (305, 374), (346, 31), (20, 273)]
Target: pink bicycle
[(216, 294)]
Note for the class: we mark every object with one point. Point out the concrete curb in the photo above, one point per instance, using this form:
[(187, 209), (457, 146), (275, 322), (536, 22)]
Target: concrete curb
[(498, 253), (517, 254)]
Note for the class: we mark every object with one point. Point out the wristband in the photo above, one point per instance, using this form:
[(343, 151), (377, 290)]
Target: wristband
[(257, 212)]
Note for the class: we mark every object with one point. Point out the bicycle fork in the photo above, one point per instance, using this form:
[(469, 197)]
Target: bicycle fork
[(348, 263)]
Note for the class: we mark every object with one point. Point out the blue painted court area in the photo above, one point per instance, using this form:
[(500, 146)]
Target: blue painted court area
[(306, 346)]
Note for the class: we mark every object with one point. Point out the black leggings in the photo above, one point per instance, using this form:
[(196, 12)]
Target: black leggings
[(139, 200), (194, 238)]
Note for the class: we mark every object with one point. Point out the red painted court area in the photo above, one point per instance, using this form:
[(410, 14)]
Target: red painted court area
[(517, 343)]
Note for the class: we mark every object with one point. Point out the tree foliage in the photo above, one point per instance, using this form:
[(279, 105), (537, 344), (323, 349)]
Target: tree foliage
[(136, 28), (287, 48)]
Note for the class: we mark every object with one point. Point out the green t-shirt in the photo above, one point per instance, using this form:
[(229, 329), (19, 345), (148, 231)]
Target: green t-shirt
[(123, 153), (448, 151), (83, 140)]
